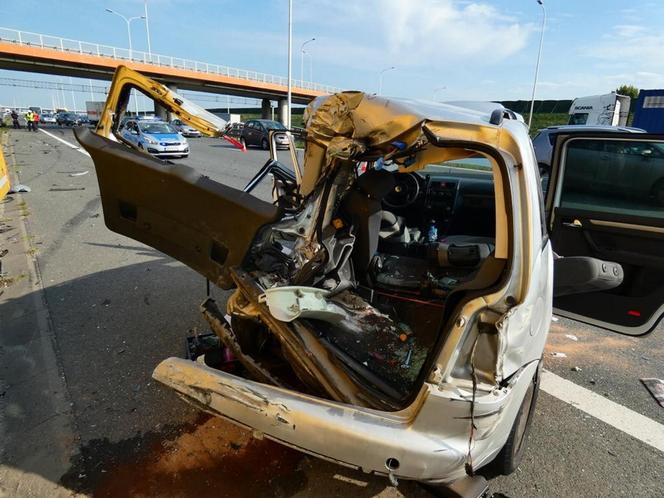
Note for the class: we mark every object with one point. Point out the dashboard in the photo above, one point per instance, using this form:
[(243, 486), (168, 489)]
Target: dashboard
[(458, 202)]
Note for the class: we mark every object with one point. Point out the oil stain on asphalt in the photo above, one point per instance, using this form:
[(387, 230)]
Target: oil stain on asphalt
[(209, 458)]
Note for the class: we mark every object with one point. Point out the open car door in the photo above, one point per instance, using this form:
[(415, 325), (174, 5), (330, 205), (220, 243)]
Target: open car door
[(606, 201), (204, 224)]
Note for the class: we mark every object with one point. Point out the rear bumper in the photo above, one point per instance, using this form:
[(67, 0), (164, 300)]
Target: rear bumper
[(428, 441)]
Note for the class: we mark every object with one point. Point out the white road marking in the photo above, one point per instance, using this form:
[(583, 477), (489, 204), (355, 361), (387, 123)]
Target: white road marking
[(609, 412), (68, 144)]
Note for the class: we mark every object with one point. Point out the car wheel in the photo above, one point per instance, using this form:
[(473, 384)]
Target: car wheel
[(264, 144), (510, 456)]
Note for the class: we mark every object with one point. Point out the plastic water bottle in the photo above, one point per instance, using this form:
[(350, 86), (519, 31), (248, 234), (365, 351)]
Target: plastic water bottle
[(432, 235)]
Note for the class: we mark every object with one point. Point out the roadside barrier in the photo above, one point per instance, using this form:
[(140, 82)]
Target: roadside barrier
[(4, 174)]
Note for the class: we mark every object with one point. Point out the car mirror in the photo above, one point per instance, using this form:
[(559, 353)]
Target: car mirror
[(646, 153)]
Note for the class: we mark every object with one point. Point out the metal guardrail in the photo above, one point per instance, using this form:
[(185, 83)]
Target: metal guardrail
[(123, 54)]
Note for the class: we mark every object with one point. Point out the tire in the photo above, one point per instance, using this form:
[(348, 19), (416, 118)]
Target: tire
[(264, 144), (510, 456)]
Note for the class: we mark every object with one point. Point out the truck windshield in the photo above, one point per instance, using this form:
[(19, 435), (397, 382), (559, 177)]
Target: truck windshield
[(578, 118)]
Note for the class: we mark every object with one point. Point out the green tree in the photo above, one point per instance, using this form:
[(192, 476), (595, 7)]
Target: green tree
[(630, 90)]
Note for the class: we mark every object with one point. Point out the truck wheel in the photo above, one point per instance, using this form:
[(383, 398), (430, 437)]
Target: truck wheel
[(510, 456)]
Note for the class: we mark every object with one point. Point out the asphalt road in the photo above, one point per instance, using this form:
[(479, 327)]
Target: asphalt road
[(87, 417)]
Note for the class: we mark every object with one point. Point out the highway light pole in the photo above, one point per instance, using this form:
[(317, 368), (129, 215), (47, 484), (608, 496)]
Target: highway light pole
[(380, 78), (539, 56), (302, 52), (131, 54), (128, 21), (147, 28), (290, 63)]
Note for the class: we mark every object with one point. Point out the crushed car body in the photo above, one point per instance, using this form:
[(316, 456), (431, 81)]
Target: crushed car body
[(376, 328)]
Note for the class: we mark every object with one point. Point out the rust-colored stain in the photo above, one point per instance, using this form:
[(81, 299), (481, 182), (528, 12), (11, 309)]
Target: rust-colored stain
[(213, 459), (52, 55)]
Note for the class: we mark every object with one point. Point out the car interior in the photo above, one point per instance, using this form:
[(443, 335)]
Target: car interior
[(417, 238)]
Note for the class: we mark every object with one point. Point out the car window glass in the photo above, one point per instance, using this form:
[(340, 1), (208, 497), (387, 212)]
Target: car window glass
[(157, 128), (623, 177)]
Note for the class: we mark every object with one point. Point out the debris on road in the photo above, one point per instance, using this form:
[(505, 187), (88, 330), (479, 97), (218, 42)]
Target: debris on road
[(656, 388), (554, 318), (79, 173), (575, 369), (18, 188), (556, 354), (572, 337), (62, 189)]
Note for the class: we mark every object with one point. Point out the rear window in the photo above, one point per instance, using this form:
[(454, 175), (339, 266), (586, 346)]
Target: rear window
[(624, 177)]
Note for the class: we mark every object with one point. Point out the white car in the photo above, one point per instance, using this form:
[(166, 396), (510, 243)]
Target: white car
[(390, 308), (184, 129), (48, 118)]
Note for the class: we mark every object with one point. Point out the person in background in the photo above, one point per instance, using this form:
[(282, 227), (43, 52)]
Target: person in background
[(35, 121), (14, 115), (30, 119)]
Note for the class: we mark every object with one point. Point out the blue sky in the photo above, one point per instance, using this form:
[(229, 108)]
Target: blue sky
[(477, 50)]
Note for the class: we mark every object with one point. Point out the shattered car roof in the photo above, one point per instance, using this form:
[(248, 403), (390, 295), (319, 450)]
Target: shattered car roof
[(353, 125)]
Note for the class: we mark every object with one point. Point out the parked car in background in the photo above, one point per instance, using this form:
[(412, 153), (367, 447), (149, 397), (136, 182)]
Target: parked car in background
[(155, 137), (545, 140), (67, 119), (256, 133), (48, 118), (184, 129)]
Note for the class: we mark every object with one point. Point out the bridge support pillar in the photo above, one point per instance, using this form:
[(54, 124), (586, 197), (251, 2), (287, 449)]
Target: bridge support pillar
[(266, 108), (283, 112), (160, 111)]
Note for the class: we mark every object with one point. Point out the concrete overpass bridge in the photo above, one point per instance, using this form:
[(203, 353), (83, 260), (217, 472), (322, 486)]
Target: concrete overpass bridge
[(40, 53)]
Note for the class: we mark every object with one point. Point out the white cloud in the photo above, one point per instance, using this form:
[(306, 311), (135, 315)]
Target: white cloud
[(417, 33), (630, 47)]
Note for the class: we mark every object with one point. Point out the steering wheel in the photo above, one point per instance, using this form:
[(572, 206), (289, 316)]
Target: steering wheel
[(405, 191)]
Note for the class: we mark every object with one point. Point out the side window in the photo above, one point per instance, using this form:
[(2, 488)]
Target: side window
[(624, 177), (250, 124)]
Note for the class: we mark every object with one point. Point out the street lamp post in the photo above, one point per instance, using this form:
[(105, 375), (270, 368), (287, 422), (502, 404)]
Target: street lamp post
[(131, 55), (380, 78), (290, 62), (128, 21), (147, 28), (302, 52), (539, 56)]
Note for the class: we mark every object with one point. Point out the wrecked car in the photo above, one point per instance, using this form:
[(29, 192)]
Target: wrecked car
[(391, 304)]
